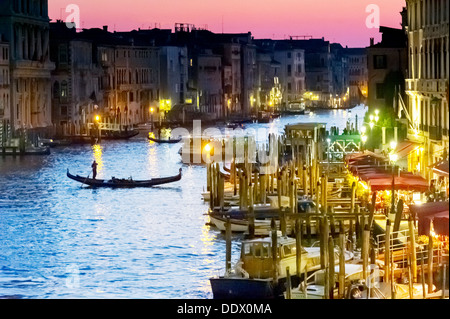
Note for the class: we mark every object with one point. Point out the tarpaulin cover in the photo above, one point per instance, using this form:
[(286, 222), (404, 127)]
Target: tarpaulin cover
[(404, 148), (433, 211)]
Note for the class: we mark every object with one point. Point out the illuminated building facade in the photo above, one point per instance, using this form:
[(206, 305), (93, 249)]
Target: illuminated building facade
[(25, 25), (4, 83), (101, 74), (357, 75), (291, 75), (427, 83)]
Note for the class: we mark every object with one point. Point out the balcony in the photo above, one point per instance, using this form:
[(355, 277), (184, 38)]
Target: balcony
[(426, 85)]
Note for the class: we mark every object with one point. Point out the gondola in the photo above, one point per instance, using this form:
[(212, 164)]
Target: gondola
[(124, 183), (164, 141)]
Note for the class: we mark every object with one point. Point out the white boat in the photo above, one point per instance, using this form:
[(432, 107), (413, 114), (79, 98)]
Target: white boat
[(315, 283)]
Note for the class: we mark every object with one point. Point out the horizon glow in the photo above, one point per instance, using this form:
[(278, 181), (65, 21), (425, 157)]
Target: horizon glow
[(338, 21)]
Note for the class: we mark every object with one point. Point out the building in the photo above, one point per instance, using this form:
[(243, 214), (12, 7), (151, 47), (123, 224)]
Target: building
[(267, 80), (174, 77), (427, 86), (209, 83), (387, 64), (102, 74), (357, 75), (75, 80), (25, 25), (291, 74), (137, 82), (4, 82), (318, 71), (340, 76)]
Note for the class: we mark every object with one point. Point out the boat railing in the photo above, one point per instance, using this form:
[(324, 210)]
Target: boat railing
[(400, 248)]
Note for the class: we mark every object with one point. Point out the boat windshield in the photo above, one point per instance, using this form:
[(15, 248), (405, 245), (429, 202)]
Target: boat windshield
[(260, 250), (264, 250)]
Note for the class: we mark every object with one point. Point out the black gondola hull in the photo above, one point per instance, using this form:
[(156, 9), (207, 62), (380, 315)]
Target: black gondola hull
[(124, 183), (164, 141)]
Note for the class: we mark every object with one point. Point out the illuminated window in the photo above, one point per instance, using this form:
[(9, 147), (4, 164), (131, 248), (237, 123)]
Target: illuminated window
[(64, 91)]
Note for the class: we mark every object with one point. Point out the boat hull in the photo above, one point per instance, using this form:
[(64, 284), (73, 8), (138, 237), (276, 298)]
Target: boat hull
[(108, 136), (120, 183), (242, 288), (164, 141)]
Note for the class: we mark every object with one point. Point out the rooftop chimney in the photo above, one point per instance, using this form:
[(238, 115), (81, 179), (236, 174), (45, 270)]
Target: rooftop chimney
[(372, 41), (105, 28)]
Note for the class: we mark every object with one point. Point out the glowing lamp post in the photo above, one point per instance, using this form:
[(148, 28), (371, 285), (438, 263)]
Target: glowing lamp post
[(393, 159)]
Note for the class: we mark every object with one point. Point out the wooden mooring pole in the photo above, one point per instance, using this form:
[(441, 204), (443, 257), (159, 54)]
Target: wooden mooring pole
[(227, 246), (341, 281), (387, 252), (430, 264)]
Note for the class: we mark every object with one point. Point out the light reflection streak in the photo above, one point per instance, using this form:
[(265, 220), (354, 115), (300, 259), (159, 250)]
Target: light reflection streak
[(98, 153)]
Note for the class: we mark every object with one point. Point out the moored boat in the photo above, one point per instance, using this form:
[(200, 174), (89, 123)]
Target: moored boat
[(124, 183), (168, 141), (254, 274), (106, 135)]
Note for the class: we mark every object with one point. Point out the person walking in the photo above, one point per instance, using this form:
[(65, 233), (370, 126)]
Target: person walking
[(94, 169)]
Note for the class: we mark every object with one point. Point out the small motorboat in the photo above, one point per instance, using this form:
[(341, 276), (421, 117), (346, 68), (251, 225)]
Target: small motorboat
[(253, 274), (122, 182)]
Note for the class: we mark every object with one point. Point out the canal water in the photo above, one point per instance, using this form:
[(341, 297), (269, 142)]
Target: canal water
[(59, 239)]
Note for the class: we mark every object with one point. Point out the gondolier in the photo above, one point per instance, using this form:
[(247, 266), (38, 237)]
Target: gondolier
[(94, 169)]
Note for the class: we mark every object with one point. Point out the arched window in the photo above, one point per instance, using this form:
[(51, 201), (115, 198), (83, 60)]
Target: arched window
[(64, 90)]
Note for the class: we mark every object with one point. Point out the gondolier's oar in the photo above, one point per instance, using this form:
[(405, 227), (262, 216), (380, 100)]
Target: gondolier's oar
[(86, 178)]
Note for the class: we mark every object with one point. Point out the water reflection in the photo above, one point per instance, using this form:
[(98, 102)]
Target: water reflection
[(98, 154), (130, 243)]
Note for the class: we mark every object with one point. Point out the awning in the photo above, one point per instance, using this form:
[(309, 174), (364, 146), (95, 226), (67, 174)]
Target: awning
[(441, 168), (436, 212), (406, 182), (440, 223), (366, 156), (404, 148)]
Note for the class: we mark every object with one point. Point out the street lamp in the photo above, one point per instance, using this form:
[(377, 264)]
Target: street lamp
[(364, 139), (363, 130), (393, 145), (393, 159)]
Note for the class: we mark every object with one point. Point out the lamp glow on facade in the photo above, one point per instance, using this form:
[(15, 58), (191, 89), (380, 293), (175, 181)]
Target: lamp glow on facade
[(393, 145), (165, 105), (364, 138), (393, 158)]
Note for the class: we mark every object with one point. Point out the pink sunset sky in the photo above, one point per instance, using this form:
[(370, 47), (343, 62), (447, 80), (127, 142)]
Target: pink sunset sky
[(341, 21)]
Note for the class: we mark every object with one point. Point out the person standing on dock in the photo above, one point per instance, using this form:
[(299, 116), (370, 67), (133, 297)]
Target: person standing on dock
[(94, 169)]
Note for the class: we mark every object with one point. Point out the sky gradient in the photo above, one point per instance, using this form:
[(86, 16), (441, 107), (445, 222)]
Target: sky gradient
[(341, 21)]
